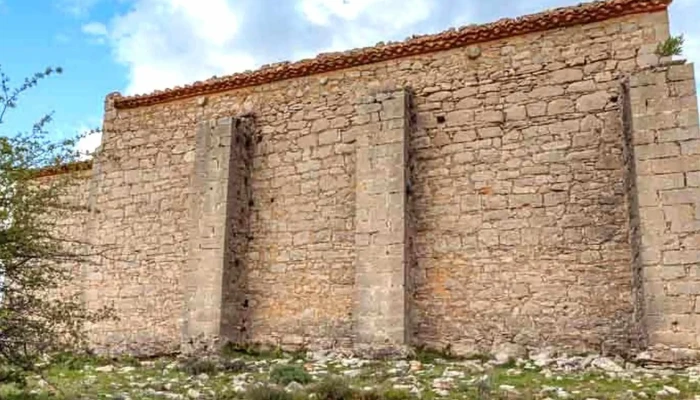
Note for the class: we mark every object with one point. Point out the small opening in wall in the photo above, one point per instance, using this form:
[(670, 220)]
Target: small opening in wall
[(272, 199), (613, 98), (245, 303), (251, 203), (259, 139), (440, 119)]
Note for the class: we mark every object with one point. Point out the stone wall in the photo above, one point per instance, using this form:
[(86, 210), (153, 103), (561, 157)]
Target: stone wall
[(665, 140), (72, 222), (513, 224)]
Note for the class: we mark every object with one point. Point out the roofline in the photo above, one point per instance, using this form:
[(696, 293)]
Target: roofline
[(454, 38), (63, 169)]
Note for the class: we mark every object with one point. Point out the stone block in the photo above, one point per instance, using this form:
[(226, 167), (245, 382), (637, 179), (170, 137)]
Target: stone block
[(682, 257), (566, 75), (683, 72), (684, 288), (516, 113), (680, 196), (536, 109), (459, 117), (592, 102), (653, 183), (677, 134), (692, 179), (657, 150), (560, 106), (490, 116), (490, 132), (691, 147)]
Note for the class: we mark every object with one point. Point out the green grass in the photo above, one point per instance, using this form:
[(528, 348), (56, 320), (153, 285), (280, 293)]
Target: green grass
[(76, 377)]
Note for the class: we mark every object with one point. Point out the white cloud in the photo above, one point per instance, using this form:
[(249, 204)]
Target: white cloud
[(87, 145), (164, 43), (173, 42), (77, 8), (95, 28)]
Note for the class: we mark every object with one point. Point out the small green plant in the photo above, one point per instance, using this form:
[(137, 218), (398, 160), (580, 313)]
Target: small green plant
[(268, 393), (394, 394), (76, 361), (484, 387), (285, 374), (228, 395), (234, 366), (334, 388), (429, 355), (194, 366), (129, 360), (10, 374), (673, 46), (235, 350)]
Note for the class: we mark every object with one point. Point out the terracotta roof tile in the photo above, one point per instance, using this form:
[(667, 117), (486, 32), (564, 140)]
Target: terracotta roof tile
[(453, 38), (64, 168)]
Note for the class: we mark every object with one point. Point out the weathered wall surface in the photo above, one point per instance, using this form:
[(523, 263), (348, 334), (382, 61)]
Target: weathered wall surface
[(515, 197), (381, 204), (662, 116), (72, 223), (519, 196)]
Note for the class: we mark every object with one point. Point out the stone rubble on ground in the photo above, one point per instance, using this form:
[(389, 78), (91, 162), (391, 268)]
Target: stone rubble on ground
[(438, 377)]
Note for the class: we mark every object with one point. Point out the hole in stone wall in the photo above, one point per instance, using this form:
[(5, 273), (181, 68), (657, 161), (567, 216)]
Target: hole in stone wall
[(245, 303), (259, 138), (440, 119), (251, 203), (272, 199)]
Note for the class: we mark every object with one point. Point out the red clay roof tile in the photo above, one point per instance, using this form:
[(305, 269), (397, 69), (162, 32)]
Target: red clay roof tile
[(450, 39)]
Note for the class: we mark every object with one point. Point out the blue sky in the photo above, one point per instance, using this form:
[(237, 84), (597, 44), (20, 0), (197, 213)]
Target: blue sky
[(136, 46)]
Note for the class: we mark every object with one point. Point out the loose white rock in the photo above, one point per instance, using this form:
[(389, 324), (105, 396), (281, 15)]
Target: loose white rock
[(606, 364), (671, 390), (294, 387), (352, 373), (415, 365), (507, 388)]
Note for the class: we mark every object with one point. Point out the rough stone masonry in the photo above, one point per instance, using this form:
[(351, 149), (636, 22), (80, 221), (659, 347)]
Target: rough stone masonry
[(532, 181)]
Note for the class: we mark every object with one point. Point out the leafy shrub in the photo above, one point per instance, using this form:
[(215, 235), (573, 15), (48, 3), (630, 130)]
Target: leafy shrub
[(334, 388), (672, 46), (12, 374), (268, 393), (287, 373)]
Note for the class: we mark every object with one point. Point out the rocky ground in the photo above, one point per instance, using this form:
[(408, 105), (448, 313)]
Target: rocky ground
[(325, 376)]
